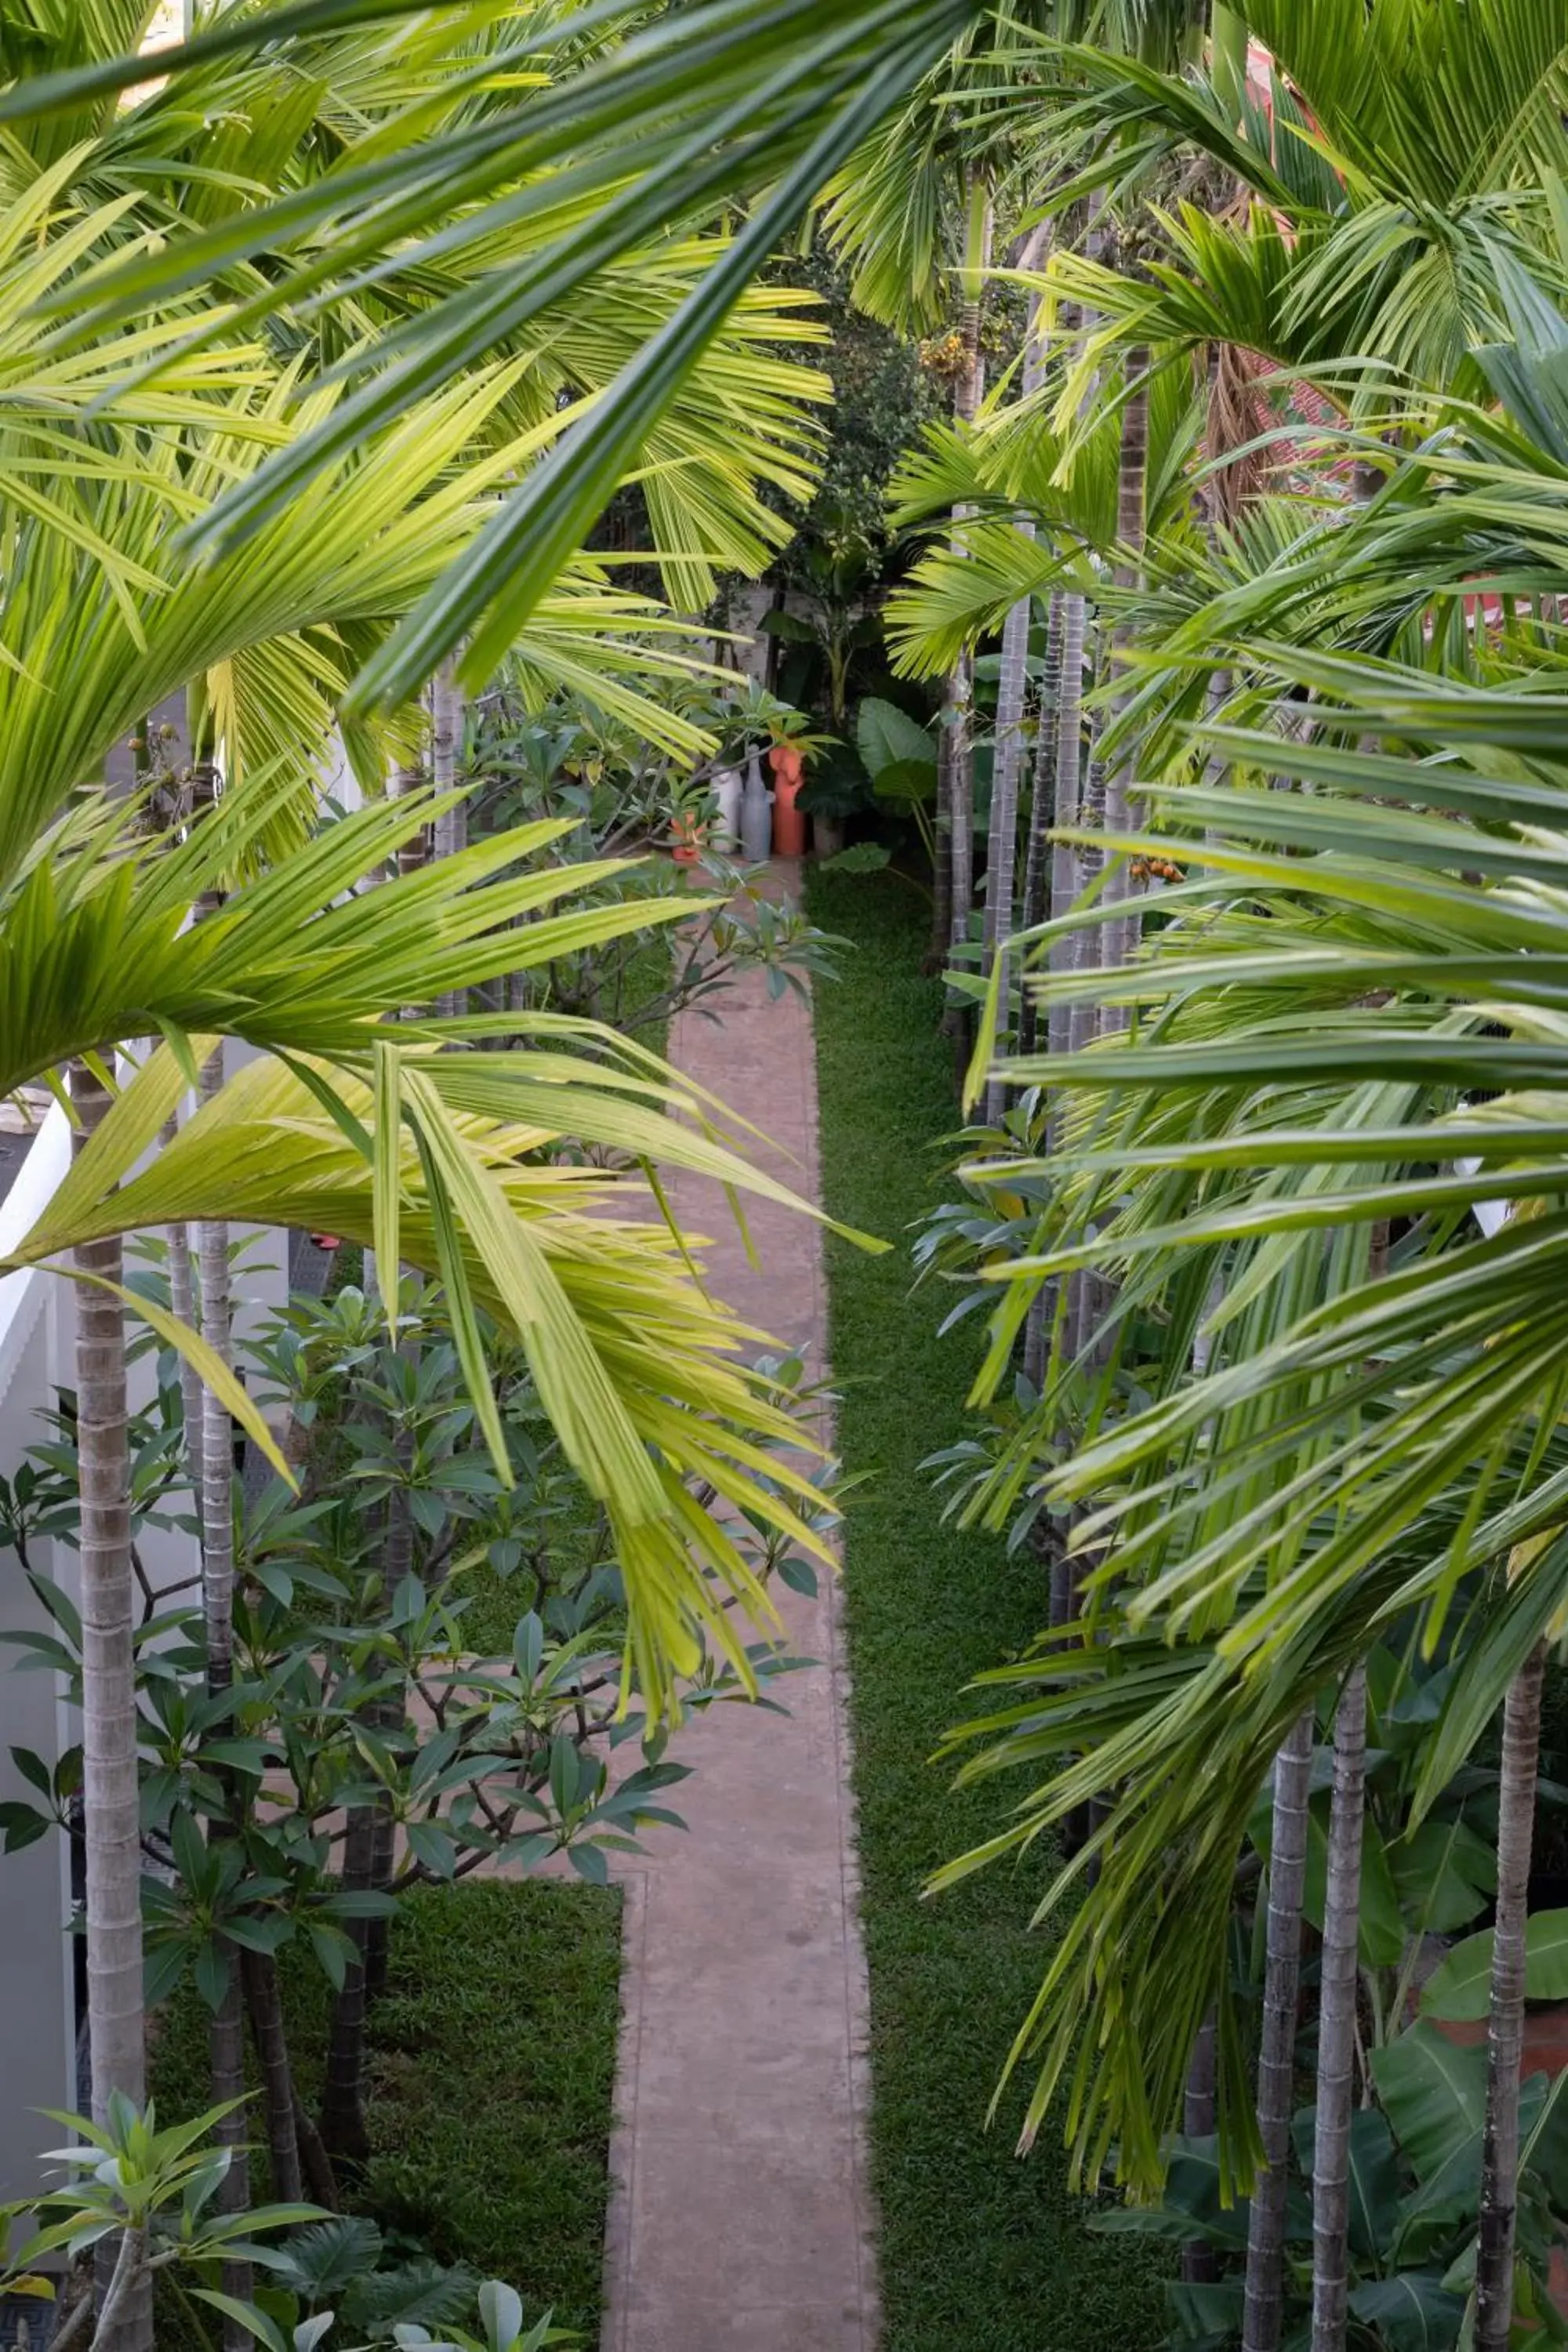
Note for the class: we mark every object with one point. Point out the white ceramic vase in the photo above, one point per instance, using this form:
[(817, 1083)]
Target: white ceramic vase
[(727, 792)]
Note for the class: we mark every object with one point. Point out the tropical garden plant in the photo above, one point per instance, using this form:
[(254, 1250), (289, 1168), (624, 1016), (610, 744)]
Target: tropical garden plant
[(1268, 544), (125, 429), (1235, 1194)]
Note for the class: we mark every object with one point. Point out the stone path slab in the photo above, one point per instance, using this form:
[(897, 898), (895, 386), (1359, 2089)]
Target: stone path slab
[(740, 2216)]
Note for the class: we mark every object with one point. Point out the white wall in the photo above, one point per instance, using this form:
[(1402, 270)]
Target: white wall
[(37, 1330), (37, 2003)]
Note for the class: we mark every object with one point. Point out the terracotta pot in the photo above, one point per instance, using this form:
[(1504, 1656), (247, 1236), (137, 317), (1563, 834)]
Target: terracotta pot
[(789, 822), (689, 833), (785, 763)]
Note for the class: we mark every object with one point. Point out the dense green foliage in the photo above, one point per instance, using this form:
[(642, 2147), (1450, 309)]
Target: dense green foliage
[(980, 2252), (492, 2067)]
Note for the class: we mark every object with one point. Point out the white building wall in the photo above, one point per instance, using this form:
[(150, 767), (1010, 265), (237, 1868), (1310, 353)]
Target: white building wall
[(37, 1330), (38, 2027)]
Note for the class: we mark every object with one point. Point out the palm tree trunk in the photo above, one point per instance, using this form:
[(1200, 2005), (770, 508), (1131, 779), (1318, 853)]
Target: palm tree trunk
[(111, 1809), (1066, 882), (1263, 2302), (396, 1560), (1505, 2028), (1131, 487), (182, 1304), (343, 2131), (957, 715), (1088, 948), (451, 828), (1198, 2117), (1067, 878), (321, 2180), (1042, 805), (225, 2038), (942, 861), (263, 1999), (217, 1437), (1002, 841), (1337, 2021), (1007, 759)]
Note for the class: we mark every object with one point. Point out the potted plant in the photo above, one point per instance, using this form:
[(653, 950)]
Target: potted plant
[(837, 789), (692, 819), (791, 745)]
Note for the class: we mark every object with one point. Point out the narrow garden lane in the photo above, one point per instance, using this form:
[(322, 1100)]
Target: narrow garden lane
[(739, 2213), (980, 2252)]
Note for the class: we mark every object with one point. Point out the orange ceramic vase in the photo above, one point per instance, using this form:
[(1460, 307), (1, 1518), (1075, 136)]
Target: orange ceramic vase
[(789, 823)]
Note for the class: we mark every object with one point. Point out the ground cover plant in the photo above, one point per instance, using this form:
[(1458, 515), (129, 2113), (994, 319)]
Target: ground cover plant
[(978, 2250)]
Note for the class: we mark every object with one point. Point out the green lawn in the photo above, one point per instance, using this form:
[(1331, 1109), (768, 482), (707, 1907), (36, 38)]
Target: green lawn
[(492, 2067), (981, 2253)]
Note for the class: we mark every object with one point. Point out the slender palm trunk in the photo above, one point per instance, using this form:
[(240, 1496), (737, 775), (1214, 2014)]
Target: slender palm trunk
[(343, 2129), (1198, 2118), (1002, 843), (1065, 881), (451, 828), (367, 1845), (1042, 806), (1067, 878), (263, 1999), (1132, 489), (941, 863), (217, 1436), (958, 718), (183, 1303), (1336, 2022), (110, 1809), (396, 1560), (1088, 948), (1090, 1290), (1263, 2302), (1505, 2028), (1007, 761), (225, 2038)]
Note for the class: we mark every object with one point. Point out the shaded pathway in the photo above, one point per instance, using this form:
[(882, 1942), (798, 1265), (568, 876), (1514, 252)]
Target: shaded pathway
[(739, 2212)]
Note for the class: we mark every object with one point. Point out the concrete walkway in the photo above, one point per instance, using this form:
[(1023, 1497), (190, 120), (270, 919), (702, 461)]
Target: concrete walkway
[(739, 2211)]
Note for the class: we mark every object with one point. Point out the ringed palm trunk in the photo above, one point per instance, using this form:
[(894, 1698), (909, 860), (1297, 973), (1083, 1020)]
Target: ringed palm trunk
[(1263, 2302), (1042, 807), (1067, 876), (957, 715), (258, 1979), (1002, 846), (451, 828), (367, 1847), (1505, 2025), (1130, 495), (1002, 840), (343, 2132), (1198, 2119), (225, 2038), (110, 1805), (1065, 881), (182, 1304), (1336, 2022)]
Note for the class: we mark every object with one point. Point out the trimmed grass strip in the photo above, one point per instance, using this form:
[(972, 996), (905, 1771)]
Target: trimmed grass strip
[(980, 2252), (492, 2055)]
